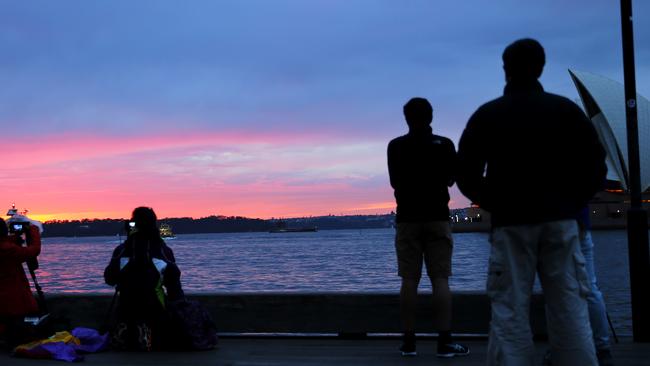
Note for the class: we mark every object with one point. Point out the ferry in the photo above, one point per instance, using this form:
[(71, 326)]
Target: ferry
[(311, 229), (282, 228), (166, 232)]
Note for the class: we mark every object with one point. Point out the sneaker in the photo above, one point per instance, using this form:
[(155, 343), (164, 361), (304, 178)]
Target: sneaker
[(408, 349), (144, 337), (119, 337), (546, 361), (604, 357), (452, 349)]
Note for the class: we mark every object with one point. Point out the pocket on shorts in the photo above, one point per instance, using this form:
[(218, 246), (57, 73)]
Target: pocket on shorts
[(581, 275), (402, 237)]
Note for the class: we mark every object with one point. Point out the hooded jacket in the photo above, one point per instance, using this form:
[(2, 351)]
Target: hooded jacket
[(421, 168), (530, 157)]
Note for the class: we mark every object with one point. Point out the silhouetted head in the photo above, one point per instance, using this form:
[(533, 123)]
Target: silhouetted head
[(523, 59), (418, 113), (4, 231), (145, 220)]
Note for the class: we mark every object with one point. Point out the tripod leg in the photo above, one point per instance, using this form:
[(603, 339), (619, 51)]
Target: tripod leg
[(41, 296)]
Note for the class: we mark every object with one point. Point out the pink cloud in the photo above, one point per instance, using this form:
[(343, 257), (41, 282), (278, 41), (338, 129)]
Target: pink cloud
[(197, 175), (189, 175), (63, 147)]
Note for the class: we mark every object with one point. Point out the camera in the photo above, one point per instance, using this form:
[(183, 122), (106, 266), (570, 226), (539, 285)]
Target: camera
[(129, 226), (18, 227)]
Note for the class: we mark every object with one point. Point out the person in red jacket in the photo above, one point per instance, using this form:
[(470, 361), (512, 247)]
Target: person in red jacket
[(15, 292)]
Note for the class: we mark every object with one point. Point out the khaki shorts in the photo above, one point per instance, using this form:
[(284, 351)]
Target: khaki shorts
[(430, 241)]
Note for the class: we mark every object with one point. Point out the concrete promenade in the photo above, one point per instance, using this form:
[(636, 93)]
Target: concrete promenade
[(300, 351), (352, 322)]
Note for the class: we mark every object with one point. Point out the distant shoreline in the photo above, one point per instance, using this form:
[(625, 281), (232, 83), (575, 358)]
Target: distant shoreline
[(479, 227), (234, 224), (219, 224)]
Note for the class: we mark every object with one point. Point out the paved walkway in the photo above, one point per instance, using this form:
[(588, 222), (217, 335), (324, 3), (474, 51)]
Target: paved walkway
[(274, 351)]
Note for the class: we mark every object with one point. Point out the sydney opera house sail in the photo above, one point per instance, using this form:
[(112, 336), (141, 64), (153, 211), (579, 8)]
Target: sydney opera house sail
[(603, 100)]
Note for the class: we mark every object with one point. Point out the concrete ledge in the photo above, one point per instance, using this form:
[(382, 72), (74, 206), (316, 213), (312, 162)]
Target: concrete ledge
[(338, 313)]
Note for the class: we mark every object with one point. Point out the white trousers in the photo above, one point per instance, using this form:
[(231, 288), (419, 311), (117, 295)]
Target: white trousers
[(552, 250)]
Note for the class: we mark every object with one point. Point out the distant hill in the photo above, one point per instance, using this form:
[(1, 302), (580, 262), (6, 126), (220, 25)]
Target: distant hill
[(217, 224)]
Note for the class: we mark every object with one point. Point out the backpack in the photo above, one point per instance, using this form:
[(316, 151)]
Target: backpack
[(192, 324)]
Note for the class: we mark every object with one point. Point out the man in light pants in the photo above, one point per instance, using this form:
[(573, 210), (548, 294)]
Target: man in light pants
[(533, 160)]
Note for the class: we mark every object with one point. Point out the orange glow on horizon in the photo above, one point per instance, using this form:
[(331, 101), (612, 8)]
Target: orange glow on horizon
[(121, 216), (71, 216)]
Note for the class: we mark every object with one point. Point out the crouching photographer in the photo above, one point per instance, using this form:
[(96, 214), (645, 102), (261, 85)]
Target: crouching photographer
[(17, 298)]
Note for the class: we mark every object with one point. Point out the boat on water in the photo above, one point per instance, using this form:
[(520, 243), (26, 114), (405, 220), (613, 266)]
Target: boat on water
[(296, 230), (166, 232), (282, 228)]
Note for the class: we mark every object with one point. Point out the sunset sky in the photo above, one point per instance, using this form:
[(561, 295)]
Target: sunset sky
[(259, 108)]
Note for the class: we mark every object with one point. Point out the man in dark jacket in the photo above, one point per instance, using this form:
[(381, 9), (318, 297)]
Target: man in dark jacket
[(533, 160), (421, 168)]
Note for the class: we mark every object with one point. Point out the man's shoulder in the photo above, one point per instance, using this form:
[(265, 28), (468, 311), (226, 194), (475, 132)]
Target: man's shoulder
[(441, 140), (484, 115), (490, 106), (119, 250), (436, 139), (563, 108), (397, 141)]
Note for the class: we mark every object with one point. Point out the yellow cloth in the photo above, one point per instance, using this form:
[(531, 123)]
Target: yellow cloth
[(64, 337)]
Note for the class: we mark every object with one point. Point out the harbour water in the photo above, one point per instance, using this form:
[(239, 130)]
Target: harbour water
[(324, 261)]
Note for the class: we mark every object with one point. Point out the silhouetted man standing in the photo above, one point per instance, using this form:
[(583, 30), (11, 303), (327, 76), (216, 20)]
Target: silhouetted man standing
[(421, 166), (533, 160)]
